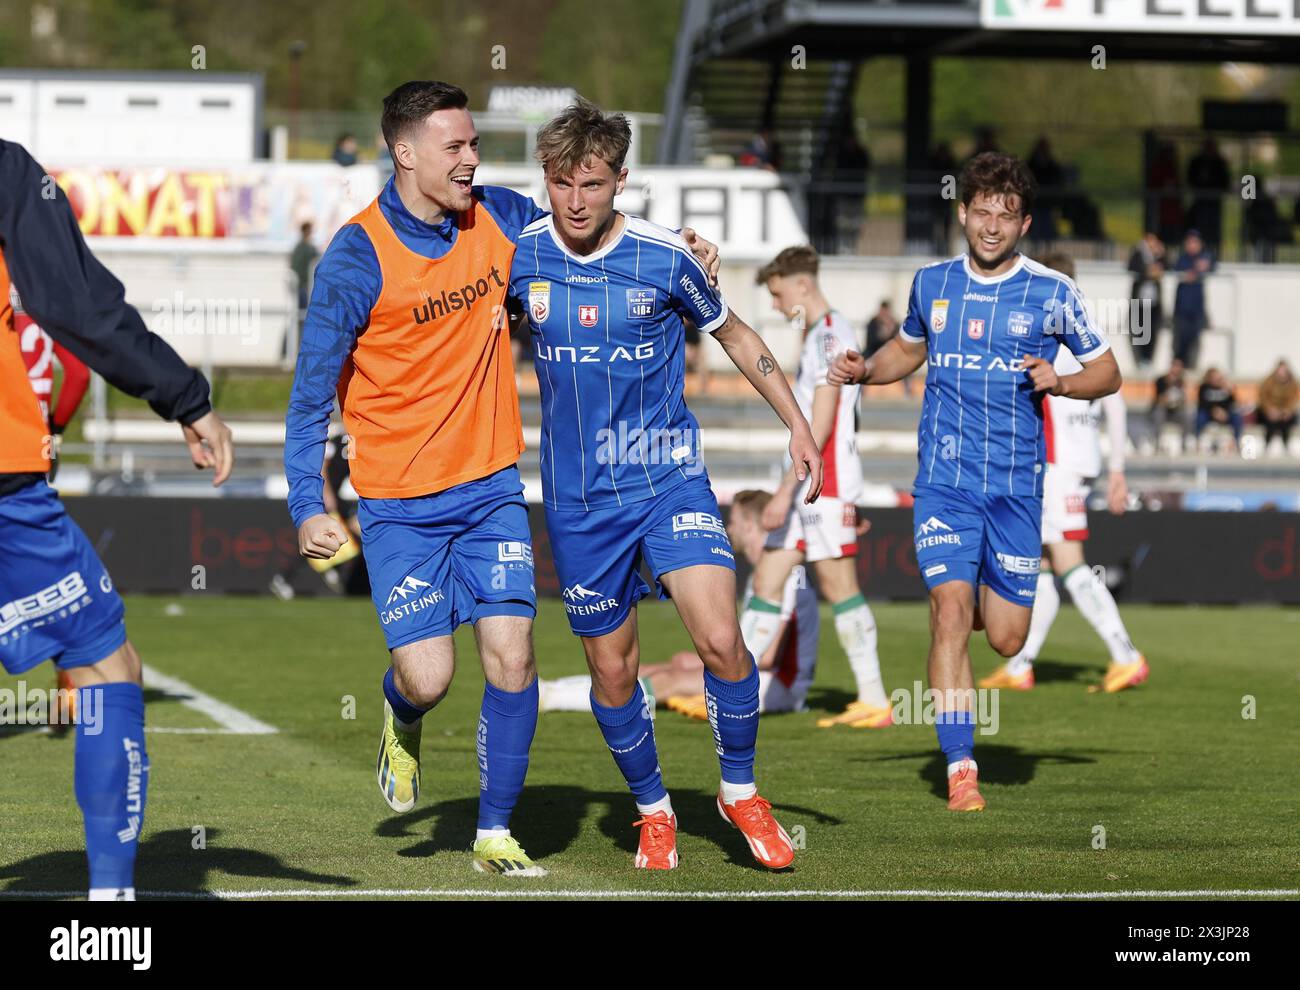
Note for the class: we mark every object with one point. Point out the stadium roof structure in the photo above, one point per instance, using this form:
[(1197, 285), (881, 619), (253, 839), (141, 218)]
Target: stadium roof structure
[(1153, 30), (741, 66)]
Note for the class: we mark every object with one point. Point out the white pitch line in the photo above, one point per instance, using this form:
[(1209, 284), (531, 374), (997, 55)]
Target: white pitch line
[(681, 895), (227, 716)]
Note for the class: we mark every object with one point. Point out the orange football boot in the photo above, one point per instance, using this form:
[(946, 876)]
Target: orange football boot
[(768, 841), (963, 788), (657, 849)]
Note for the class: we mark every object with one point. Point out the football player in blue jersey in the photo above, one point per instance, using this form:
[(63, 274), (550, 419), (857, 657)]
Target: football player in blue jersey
[(989, 323), (622, 480)]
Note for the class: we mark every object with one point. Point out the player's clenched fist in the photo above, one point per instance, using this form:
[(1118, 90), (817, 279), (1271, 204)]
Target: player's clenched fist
[(848, 368), (321, 536), (1043, 375)]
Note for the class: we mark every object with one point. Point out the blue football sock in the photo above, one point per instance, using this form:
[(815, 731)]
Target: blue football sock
[(506, 724), (110, 779), (956, 731), (733, 713), (402, 708), (629, 733)]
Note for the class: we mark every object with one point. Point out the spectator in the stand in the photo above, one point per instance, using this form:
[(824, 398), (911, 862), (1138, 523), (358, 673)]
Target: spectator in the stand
[(345, 150), (1051, 182), (881, 328), (1170, 404), (1207, 175), (764, 151), (1216, 403), (1265, 228), (986, 139), (837, 214), (1164, 200), (1147, 266), (943, 165), (1279, 395), (302, 261), (1194, 263)]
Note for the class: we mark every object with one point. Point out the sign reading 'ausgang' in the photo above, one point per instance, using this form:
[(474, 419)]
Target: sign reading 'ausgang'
[(1244, 17)]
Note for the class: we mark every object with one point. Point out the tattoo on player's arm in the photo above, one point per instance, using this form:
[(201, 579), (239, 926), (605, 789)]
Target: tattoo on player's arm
[(766, 365)]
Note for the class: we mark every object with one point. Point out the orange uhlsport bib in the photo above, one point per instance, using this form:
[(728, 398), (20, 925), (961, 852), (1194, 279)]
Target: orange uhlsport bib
[(428, 395), (24, 436)]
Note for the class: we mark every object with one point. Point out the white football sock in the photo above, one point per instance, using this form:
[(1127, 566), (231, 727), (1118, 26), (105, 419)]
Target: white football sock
[(957, 765), (731, 793), (488, 833), (759, 624), (1097, 604), (856, 627), (664, 804), (1047, 602)]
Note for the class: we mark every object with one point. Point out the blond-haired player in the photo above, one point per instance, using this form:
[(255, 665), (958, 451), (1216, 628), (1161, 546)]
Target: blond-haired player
[(824, 533)]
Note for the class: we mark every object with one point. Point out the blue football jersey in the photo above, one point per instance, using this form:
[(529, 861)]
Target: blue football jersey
[(981, 425), (608, 344)]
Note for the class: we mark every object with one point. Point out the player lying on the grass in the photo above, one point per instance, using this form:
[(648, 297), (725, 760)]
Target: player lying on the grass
[(1072, 435), (825, 534), (407, 322), (56, 599), (785, 671), (622, 478), (989, 322)]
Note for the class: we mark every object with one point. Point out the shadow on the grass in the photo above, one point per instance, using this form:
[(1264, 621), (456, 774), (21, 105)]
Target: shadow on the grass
[(1047, 671), (831, 700), (548, 820), (166, 861), (1005, 765)]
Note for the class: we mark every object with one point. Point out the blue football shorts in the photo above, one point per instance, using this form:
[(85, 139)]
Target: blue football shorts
[(57, 601), (598, 552), (456, 556), (980, 539)]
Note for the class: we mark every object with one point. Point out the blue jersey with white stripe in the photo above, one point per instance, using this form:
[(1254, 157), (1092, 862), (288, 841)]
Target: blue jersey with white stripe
[(608, 344), (981, 425)]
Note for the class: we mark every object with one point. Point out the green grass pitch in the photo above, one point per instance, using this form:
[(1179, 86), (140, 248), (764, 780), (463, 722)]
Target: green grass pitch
[(1191, 795)]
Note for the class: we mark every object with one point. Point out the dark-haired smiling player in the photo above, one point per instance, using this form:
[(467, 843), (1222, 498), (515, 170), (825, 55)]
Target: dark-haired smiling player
[(407, 323), (990, 322)]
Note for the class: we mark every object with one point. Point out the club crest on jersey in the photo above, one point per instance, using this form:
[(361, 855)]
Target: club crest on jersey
[(539, 301), (1020, 323), (938, 315), (974, 329), (588, 316), (640, 304)]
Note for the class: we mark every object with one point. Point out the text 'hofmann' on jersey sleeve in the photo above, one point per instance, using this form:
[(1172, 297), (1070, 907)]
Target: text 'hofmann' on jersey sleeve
[(981, 424)]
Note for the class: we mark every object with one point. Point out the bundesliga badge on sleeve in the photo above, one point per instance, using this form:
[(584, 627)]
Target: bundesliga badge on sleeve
[(938, 315), (539, 301)]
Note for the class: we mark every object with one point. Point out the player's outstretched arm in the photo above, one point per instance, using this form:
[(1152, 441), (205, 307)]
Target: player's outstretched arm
[(893, 362), (1099, 377), (79, 303), (748, 353)]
